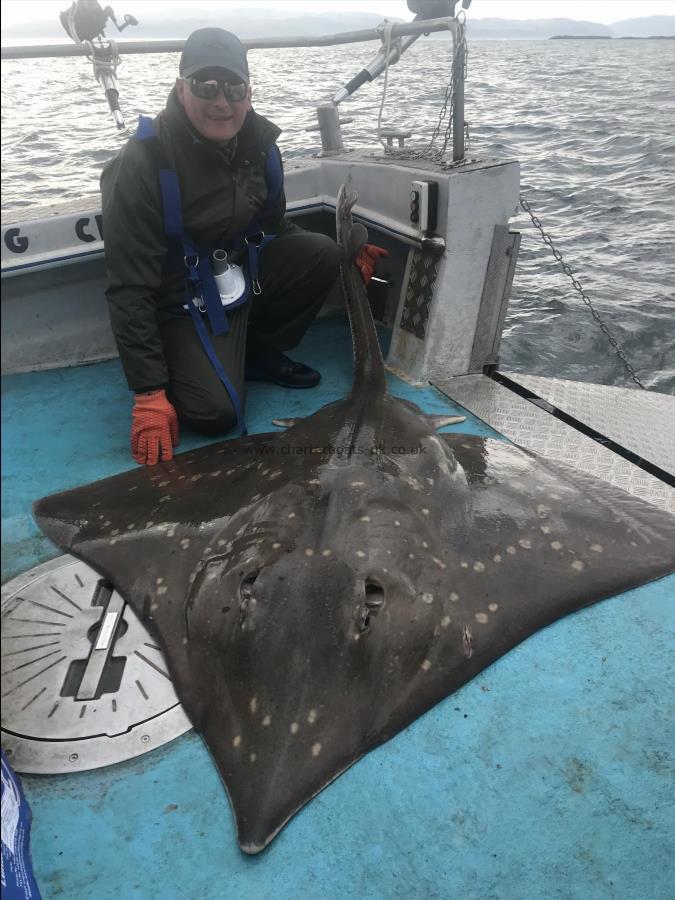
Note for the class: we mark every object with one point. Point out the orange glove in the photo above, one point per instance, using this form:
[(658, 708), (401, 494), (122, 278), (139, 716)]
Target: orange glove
[(367, 259), (154, 428)]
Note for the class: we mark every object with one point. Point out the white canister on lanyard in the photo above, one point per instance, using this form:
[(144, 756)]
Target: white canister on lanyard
[(229, 278)]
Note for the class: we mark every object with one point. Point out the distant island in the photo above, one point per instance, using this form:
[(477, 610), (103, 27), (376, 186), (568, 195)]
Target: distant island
[(610, 37), (581, 37)]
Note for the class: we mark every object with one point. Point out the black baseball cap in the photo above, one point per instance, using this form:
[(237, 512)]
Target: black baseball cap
[(213, 48)]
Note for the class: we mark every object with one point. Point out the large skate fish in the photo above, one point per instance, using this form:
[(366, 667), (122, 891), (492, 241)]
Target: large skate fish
[(317, 590)]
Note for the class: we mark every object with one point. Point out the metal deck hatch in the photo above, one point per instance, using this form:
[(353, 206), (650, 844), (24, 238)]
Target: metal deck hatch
[(83, 683)]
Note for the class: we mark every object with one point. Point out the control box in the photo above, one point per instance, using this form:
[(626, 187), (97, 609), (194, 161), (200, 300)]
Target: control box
[(424, 205)]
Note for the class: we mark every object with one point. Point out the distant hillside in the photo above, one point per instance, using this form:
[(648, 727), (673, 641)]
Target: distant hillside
[(531, 29), (245, 23), (649, 26), (541, 29), (249, 22)]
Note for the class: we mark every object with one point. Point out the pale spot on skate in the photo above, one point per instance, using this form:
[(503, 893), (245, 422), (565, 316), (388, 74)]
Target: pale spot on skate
[(295, 728), (426, 597), (577, 565), (439, 562), (326, 552), (291, 515), (159, 580), (545, 529), (316, 749), (253, 757), (454, 597), (162, 589), (597, 548), (511, 550), (360, 554), (358, 484), (481, 618), (493, 607), (426, 665), (253, 705), (185, 543), (425, 511), (309, 551), (556, 545), (525, 543), (267, 721), (445, 621), (478, 567), (365, 518), (237, 741), (311, 716), (497, 557)]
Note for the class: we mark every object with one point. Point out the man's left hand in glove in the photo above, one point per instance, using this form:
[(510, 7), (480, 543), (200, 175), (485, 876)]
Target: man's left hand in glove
[(368, 257)]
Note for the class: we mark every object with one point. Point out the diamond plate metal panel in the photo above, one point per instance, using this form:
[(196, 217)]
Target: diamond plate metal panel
[(419, 293), (533, 428), (640, 421)]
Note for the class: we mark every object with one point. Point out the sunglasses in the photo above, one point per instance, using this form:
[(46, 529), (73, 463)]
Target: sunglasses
[(208, 90)]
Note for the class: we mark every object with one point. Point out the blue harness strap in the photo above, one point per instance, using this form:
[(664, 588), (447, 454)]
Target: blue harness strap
[(196, 258), (207, 344)]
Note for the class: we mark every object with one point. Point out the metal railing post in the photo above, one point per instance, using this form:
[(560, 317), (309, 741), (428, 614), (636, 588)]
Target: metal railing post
[(329, 128), (458, 62)]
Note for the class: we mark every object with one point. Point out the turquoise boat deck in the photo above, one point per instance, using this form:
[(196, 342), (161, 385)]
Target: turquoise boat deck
[(549, 775)]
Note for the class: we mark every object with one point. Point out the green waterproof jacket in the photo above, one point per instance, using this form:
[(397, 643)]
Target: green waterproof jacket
[(222, 187)]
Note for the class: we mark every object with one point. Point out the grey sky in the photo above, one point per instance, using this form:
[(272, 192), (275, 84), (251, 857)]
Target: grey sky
[(605, 11)]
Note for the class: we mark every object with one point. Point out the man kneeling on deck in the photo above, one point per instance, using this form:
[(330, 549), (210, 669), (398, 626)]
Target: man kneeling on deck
[(205, 176)]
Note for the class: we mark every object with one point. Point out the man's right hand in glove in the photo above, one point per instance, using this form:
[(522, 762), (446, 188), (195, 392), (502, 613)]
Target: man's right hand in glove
[(154, 428)]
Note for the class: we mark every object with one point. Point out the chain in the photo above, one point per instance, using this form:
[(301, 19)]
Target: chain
[(548, 240), (444, 116)]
